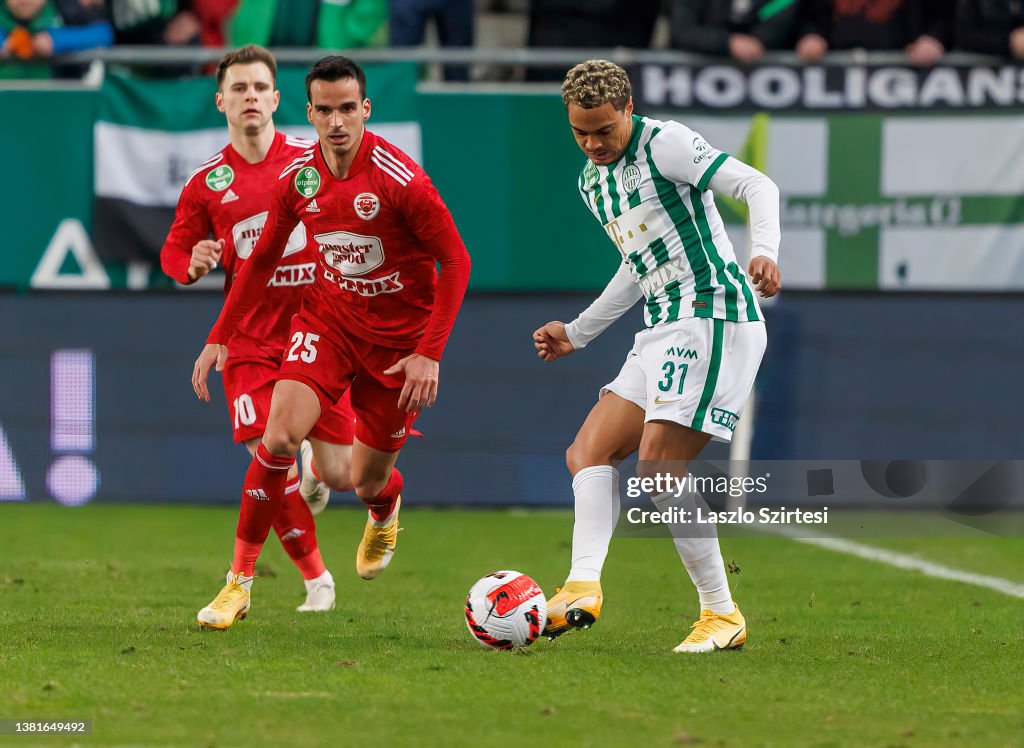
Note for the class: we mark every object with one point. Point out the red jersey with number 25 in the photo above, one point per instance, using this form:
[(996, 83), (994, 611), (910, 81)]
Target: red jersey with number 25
[(228, 197), (381, 231)]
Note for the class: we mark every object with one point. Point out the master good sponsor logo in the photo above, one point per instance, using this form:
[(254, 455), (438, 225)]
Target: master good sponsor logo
[(247, 232), (351, 254)]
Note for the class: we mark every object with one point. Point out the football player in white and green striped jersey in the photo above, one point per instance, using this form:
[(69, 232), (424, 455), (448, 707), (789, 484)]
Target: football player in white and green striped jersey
[(649, 183)]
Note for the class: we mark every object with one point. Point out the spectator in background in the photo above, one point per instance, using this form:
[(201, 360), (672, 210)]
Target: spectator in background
[(160, 22), (33, 29), (592, 24), (994, 27), (336, 24), (741, 29), (921, 28), (454, 21)]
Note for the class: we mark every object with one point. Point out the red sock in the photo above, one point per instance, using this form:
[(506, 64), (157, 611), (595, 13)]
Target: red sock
[(296, 528), (383, 503), (262, 498)]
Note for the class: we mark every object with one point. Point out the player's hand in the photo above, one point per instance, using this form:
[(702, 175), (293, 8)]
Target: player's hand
[(765, 275), (420, 389), (213, 354), (551, 341), (205, 256)]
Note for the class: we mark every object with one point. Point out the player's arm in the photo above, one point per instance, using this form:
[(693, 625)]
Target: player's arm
[(188, 253), (556, 339), (247, 289), (685, 157), (433, 225)]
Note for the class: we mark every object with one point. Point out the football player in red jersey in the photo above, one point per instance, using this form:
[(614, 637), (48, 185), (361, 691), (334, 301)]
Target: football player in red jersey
[(374, 323), (226, 198)]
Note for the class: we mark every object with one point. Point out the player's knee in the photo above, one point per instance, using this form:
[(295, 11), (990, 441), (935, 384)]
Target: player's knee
[(583, 453), (279, 442), (337, 475), (367, 487)]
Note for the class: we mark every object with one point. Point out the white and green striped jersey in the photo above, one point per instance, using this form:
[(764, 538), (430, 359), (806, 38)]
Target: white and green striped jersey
[(655, 205)]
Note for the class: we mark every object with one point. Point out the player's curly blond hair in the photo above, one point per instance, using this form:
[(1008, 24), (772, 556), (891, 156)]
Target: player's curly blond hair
[(596, 82)]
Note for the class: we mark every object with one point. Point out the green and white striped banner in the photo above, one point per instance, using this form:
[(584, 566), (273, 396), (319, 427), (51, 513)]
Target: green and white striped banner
[(150, 135), (888, 202)]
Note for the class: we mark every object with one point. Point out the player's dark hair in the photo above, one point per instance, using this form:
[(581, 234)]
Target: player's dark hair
[(335, 68), (246, 56)]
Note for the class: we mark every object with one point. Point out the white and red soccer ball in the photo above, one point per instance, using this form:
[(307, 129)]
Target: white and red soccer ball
[(506, 609)]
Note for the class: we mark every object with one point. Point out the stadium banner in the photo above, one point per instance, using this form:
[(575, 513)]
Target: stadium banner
[(98, 404), (150, 135), (870, 201), (874, 202), (857, 88)]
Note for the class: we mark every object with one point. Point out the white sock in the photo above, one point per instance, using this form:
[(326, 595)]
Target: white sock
[(245, 582), (597, 512), (324, 578), (698, 548)]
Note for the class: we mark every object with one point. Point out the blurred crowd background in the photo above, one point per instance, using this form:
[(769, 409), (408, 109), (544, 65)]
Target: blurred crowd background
[(32, 31)]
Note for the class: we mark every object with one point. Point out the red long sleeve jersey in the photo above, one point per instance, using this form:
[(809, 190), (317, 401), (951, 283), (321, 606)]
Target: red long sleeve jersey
[(381, 230), (228, 197)]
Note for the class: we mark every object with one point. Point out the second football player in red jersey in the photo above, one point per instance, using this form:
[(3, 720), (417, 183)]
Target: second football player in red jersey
[(226, 197), (375, 321)]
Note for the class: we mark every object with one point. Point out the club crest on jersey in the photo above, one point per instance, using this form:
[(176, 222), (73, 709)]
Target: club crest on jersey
[(631, 178), (367, 205), (307, 181), (351, 254), (220, 179), (590, 174)]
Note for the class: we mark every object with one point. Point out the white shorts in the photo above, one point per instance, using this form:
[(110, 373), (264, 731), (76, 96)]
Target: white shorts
[(695, 372)]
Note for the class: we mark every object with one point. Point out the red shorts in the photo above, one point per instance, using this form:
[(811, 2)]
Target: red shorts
[(333, 364), (249, 385)]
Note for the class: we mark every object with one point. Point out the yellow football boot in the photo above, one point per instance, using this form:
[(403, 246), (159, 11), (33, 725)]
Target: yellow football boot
[(576, 605), (230, 605), (377, 546), (715, 631)]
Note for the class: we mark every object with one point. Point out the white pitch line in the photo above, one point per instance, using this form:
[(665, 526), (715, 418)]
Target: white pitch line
[(903, 561)]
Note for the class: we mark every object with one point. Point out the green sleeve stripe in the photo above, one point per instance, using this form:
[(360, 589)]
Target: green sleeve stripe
[(712, 380), (772, 8), (705, 180)]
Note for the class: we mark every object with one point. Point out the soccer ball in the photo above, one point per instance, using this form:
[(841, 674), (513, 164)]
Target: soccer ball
[(506, 609)]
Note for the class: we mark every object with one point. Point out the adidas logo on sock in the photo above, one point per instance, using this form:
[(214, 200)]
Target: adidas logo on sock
[(228, 197), (313, 207), (257, 493)]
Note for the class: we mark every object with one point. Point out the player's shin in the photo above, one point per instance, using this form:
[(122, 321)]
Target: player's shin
[(296, 528), (382, 506), (263, 495), (596, 490), (381, 533), (697, 545)]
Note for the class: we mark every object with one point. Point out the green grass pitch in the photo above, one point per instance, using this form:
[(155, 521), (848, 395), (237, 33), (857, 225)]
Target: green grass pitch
[(97, 621)]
